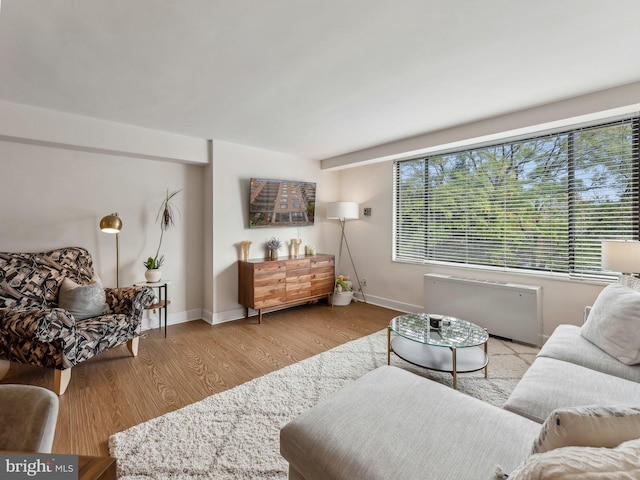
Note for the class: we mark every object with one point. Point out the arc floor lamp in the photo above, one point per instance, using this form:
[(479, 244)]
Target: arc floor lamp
[(344, 211), (113, 224)]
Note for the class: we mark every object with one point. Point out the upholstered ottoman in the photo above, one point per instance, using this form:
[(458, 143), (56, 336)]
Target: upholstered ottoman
[(393, 424)]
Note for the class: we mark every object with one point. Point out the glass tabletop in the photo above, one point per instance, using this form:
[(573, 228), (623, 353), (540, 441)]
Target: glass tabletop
[(452, 332)]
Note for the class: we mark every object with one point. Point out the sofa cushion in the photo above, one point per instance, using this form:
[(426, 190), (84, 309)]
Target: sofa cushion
[(589, 426), (82, 301), (568, 345), (614, 323), (393, 424), (583, 463), (550, 384)]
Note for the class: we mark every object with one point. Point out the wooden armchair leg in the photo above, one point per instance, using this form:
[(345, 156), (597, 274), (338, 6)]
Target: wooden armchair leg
[(132, 345), (4, 368), (61, 380)]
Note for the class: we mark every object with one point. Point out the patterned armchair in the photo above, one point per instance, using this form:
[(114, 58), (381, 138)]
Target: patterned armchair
[(34, 330)]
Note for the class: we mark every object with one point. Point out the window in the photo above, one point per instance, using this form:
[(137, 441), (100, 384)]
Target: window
[(543, 203)]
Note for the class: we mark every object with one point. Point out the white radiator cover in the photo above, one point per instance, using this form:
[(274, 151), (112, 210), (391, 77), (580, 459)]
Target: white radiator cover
[(507, 310)]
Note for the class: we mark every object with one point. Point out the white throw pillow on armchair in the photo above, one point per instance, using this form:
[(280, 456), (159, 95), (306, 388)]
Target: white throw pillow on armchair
[(614, 323)]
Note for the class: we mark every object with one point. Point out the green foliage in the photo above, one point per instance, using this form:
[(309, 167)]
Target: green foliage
[(345, 286), (153, 263), (167, 215)]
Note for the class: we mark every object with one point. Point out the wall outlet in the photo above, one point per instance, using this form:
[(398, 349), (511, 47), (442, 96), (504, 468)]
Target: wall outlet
[(363, 282)]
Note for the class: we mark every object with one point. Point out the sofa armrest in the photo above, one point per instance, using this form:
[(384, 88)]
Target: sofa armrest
[(44, 325), (129, 300)]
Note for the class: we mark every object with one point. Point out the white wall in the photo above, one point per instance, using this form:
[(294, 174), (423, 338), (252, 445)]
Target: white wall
[(55, 197), (232, 167), (400, 285), (39, 126)]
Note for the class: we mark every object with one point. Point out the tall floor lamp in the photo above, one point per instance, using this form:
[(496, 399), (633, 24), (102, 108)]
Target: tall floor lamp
[(344, 211), (621, 256), (113, 224)]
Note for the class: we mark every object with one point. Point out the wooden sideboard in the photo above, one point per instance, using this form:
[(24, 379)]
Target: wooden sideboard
[(265, 285)]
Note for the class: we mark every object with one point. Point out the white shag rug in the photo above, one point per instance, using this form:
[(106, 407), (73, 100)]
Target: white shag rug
[(235, 434)]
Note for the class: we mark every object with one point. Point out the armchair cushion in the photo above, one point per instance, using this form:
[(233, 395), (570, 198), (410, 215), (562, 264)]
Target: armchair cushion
[(82, 301), (45, 325)]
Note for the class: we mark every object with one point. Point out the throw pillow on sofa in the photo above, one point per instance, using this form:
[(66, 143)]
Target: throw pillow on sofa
[(614, 323), (588, 426), (82, 301), (589, 442), (583, 463)]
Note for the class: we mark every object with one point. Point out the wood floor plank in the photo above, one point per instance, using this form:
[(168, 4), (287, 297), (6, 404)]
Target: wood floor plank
[(115, 391)]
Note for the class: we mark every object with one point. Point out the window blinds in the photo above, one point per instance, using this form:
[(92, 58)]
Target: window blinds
[(543, 203)]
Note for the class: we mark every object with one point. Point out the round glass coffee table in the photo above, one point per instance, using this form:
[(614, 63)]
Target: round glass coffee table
[(438, 342)]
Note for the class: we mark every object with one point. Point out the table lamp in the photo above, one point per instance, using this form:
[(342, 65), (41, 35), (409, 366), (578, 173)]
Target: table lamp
[(621, 256)]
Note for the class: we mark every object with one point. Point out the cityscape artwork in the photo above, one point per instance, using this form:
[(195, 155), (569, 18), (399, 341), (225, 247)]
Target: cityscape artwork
[(275, 203)]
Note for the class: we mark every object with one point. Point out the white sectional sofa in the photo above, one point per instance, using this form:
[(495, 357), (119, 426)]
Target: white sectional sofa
[(392, 424)]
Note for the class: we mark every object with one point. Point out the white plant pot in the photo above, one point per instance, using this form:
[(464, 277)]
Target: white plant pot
[(341, 299), (153, 275)]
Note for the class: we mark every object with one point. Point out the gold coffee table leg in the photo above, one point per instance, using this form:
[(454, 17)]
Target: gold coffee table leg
[(455, 376), (388, 345), (486, 353)]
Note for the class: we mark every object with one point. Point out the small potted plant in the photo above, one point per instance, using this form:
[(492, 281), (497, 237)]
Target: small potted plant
[(167, 216), (343, 291), (273, 245)]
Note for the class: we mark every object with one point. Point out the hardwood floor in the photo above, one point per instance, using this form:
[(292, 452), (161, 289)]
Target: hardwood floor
[(115, 391)]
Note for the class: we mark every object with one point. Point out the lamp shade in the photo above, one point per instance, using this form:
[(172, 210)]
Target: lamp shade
[(111, 223), (343, 211), (621, 255)]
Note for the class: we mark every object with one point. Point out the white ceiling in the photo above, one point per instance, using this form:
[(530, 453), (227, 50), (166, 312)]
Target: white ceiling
[(316, 78)]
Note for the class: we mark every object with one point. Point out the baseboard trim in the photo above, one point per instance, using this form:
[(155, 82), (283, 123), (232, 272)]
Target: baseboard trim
[(391, 304), (151, 320)]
